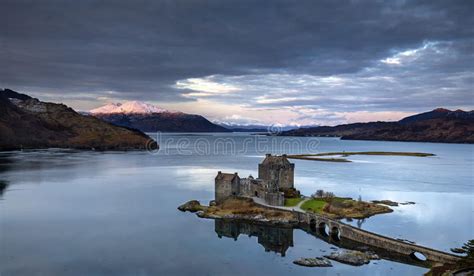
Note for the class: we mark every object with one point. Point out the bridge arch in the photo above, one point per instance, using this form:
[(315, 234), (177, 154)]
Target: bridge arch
[(323, 229), (312, 225), (335, 233), (418, 256)]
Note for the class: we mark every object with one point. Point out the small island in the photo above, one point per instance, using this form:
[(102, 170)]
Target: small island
[(272, 197)]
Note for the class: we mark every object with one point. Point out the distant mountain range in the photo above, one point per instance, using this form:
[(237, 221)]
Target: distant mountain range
[(439, 125), (149, 118), (255, 128), (26, 122)]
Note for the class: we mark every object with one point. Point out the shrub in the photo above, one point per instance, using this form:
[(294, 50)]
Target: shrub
[(329, 195)]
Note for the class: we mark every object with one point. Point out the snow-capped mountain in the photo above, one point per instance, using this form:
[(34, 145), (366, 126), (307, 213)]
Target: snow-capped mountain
[(131, 107), (150, 118)]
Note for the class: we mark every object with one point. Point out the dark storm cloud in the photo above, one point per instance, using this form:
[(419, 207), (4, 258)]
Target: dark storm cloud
[(140, 49)]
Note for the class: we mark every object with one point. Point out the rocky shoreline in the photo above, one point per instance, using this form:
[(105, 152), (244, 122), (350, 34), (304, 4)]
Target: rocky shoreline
[(241, 209)]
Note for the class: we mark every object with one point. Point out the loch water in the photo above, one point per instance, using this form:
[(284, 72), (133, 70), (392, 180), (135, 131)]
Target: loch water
[(66, 212)]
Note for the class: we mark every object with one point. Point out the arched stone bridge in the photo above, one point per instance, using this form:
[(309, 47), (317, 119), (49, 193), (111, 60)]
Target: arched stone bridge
[(348, 236), (339, 230)]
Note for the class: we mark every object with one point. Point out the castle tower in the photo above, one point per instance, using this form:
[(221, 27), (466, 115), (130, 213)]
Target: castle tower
[(226, 185), (277, 171)]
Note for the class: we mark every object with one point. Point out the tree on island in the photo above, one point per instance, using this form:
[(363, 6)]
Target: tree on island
[(467, 249), (322, 194), (318, 194)]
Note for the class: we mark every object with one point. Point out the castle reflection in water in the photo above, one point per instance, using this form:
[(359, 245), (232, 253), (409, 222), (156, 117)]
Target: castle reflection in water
[(272, 238)]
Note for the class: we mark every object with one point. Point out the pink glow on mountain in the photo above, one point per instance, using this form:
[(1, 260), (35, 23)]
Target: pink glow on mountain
[(131, 107)]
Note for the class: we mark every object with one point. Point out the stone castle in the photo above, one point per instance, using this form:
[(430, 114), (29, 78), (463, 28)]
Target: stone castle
[(275, 175)]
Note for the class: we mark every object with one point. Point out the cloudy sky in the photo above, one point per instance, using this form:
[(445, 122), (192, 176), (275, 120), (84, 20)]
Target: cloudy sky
[(288, 62)]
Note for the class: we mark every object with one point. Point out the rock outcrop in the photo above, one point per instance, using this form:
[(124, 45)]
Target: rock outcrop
[(386, 202), (352, 257), (313, 262), (191, 206)]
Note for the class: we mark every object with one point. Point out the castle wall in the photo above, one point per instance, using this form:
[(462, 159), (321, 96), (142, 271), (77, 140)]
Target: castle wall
[(250, 187), (245, 187), (222, 190), (225, 187), (281, 175), (235, 186), (275, 199), (264, 172), (259, 188), (286, 176)]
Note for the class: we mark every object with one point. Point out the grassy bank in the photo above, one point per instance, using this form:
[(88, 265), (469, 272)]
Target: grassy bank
[(314, 205), (290, 202), (340, 207)]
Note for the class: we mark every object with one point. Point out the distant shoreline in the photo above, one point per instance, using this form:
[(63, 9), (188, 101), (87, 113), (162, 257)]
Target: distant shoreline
[(369, 139), (436, 126), (317, 156)]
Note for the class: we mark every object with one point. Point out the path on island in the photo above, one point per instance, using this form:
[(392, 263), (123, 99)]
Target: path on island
[(296, 208)]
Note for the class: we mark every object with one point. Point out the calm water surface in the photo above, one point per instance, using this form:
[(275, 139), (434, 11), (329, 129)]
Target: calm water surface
[(90, 213)]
